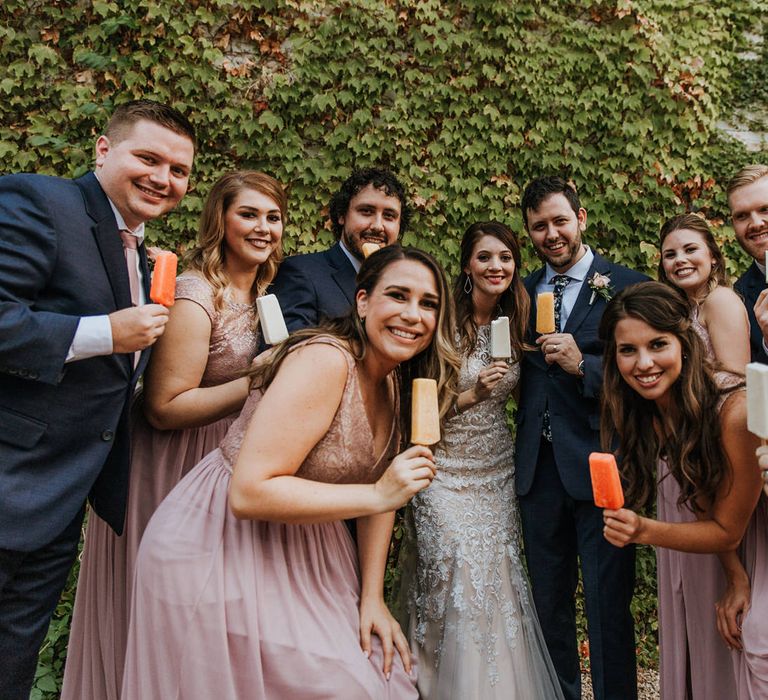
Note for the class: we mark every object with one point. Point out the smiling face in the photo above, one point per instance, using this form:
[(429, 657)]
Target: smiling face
[(491, 267), (253, 227), (555, 230), (373, 216), (649, 360), (146, 173), (749, 212), (687, 261), (401, 312)]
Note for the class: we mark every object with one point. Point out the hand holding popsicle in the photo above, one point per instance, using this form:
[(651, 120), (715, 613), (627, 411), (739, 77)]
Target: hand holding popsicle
[(137, 327), (408, 473), (488, 378)]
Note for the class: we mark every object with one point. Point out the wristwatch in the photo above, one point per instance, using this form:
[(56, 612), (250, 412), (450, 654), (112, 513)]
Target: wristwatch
[(580, 368)]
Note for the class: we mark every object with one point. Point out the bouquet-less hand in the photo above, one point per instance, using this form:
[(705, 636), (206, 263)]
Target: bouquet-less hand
[(488, 378), (762, 460), (407, 474), (561, 348), (731, 608), (375, 617), (622, 527)]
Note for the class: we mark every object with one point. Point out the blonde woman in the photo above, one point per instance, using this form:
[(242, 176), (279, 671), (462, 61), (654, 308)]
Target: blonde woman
[(193, 391)]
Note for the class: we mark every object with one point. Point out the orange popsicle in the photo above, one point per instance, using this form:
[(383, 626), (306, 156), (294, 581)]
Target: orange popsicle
[(606, 485), (163, 290), (545, 312), (425, 413)]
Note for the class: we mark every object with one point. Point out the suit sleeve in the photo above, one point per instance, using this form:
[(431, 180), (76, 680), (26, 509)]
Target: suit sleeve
[(33, 343), (296, 293)]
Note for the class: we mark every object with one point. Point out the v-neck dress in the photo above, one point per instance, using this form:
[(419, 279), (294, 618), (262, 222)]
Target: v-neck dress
[(226, 608)]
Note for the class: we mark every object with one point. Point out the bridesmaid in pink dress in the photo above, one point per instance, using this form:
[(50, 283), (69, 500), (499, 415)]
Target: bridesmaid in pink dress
[(248, 584), (667, 408), (193, 391)]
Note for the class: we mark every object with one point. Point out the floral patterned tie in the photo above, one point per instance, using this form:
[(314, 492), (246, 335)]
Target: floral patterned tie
[(560, 282)]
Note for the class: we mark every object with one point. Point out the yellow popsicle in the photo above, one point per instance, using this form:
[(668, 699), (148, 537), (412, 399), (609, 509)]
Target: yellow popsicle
[(369, 248), (545, 312), (425, 413)]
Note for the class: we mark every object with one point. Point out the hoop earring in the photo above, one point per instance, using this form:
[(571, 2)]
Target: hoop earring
[(468, 285)]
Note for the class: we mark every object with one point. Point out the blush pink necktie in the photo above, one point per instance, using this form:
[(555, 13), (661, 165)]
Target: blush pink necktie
[(130, 248)]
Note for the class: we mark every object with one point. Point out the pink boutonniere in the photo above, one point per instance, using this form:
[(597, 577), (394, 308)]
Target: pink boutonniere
[(600, 285)]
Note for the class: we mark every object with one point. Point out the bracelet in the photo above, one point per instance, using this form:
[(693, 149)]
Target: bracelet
[(454, 412)]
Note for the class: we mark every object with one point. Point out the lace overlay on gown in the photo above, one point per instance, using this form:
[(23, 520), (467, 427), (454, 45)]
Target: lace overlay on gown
[(471, 617)]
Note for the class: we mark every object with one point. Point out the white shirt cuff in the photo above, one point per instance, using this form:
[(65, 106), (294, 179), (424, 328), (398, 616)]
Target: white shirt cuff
[(93, 337)]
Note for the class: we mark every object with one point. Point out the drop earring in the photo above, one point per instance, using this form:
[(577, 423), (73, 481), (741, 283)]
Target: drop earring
[(468, 285)]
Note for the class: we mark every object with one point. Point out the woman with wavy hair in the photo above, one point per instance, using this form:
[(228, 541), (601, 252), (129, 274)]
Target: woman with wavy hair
[(194, 388), (692, 262), (683, 442), (248, 583), (472, 624)]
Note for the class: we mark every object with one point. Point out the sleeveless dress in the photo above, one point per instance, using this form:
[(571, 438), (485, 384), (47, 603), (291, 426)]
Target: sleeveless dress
[(472, 623), (159, 459), (228, 609), (694, 662)]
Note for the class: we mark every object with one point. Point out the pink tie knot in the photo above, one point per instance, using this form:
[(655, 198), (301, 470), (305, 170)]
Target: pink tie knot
[(129, 240)]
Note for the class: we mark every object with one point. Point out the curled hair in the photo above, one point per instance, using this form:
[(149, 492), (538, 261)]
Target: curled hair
[(437, 361), (127, 114), (694, 222), (690, 439), (210, 251), (381, 179), (542, 187), (514, 301)]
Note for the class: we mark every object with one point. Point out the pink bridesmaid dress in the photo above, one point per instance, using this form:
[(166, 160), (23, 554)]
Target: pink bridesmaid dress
[(159, 459), (229, 609)]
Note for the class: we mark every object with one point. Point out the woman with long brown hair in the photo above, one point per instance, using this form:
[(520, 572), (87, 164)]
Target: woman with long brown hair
[(472, 624), (692, 262), (683, 442), (248, 584), (193, 391)]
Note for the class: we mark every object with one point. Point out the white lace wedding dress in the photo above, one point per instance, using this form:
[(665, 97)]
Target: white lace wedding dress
[(471, 619)]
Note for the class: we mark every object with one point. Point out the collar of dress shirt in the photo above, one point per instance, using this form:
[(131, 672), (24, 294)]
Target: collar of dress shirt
[(577, 273), (138, 231), (761, 267), (355, 262)]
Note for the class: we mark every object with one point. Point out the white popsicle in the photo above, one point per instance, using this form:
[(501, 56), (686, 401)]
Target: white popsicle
[(271, 319), (757, 399), (501, 345), (766, 265)]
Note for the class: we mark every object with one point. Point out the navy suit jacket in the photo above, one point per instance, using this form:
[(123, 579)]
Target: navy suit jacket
[(313, 286), (749, 286), (63, 427), (574, 402)]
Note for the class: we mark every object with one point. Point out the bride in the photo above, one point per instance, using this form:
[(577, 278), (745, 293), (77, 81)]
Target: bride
[(472, 623)]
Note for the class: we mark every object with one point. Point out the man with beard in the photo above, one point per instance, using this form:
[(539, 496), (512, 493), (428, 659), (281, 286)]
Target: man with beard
[(369, 207), (558, 425), (748, 201)]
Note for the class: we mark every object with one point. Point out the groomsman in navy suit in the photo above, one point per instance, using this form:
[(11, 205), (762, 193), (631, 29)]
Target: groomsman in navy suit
[(748, 201), (369, 207), (75, 330), (558, 425)]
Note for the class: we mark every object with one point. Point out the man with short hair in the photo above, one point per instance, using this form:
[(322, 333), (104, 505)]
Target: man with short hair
[(558, 425), (748, 200), (75, 330), (369, 207)]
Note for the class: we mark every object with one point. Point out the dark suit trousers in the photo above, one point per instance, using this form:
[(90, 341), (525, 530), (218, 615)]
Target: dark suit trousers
[(557, 528), (30, 587)]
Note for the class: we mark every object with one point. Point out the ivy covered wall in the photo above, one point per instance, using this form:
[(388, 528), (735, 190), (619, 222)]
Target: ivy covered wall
[(467, 101)]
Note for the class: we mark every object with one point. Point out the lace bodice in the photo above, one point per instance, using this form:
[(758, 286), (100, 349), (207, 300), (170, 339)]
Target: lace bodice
[(345, 454), (234, 338)]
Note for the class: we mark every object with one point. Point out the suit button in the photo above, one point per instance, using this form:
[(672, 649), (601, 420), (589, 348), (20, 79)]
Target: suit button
[(107, 435), (23, 373), (33, 375)]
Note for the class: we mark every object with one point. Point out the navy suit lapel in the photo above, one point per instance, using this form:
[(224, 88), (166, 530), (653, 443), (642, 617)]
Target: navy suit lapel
[(582, 307), (530, 283), (755, 283), (107, 238), (344, 273)]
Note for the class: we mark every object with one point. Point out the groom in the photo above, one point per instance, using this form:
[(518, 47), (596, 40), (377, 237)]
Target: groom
[(558, 425)]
